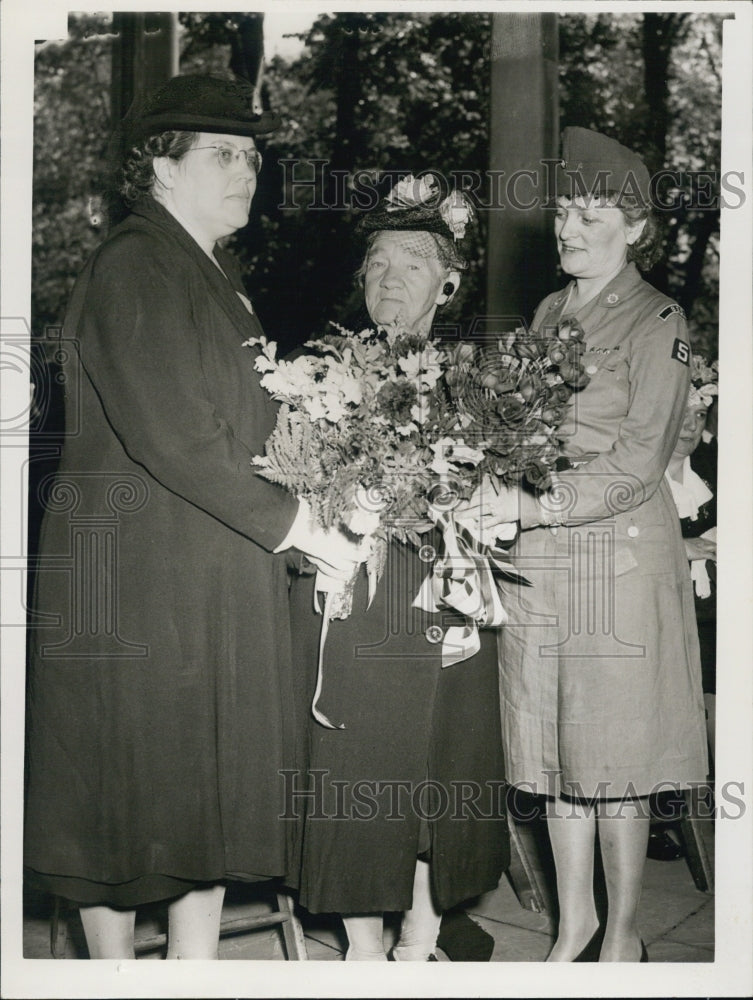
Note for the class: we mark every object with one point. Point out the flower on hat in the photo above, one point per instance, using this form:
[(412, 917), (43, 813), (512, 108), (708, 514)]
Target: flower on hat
[(703, 381), (456, 212), (411, 192)]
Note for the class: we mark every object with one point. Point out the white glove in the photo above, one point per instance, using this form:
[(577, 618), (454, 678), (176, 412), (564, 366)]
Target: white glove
[(330, 550)]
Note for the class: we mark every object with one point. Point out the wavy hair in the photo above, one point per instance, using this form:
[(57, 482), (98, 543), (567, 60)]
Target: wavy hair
[(137, 173), (649, 247)]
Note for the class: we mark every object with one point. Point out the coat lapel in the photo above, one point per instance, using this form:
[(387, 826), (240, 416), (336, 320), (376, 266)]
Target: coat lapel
[(223, 289)]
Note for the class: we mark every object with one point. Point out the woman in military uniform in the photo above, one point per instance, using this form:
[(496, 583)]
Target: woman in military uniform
[(599, 670)]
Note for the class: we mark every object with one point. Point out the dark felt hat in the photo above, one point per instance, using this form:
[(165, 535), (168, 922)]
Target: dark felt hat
[(200, 104), (419, 204), (592, 163)]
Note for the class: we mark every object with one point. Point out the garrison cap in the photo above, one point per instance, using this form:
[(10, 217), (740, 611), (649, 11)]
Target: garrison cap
[(593, 163)]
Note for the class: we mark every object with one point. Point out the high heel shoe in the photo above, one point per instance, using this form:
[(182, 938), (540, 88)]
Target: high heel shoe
[(644, 953), (591, 952)]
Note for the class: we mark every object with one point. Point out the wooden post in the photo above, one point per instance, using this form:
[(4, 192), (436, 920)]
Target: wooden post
[(144, 56), (524, 133)]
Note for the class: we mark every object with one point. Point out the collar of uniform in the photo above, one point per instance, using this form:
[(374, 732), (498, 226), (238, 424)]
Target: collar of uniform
[(560, 298), (620, 287)]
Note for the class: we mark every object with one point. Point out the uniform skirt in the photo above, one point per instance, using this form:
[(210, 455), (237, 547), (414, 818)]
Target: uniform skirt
[(600, 679)]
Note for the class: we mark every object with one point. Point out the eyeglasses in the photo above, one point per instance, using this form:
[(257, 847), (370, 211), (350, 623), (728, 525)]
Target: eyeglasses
[(228, 155)]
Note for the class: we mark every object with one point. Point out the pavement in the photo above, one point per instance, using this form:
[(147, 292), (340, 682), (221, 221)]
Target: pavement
[(676, 919)]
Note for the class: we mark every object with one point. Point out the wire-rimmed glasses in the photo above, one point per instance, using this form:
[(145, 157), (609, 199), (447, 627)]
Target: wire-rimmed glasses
[(228, 155)]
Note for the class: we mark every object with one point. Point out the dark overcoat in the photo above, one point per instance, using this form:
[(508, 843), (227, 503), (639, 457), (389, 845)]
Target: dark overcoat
[(159, 675)]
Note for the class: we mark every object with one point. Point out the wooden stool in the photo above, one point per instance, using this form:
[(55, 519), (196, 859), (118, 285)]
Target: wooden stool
[(524, 872), (284, 917), (697, 832)]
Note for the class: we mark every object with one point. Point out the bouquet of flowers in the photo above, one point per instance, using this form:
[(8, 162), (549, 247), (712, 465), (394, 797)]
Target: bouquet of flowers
[(704, 380), (381, 432)]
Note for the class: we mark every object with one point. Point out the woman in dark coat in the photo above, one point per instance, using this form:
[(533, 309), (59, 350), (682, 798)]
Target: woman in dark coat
[(406, 811), (159, 678), (599, 671)]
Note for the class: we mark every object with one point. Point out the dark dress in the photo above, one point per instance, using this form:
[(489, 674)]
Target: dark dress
[(703, 461), (419, 766), (159, 675)]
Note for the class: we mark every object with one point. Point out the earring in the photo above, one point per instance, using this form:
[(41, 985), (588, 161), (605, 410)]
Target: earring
[(448, 288)]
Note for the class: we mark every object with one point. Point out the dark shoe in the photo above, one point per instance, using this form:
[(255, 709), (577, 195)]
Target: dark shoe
[(462, 940), (432, 958), (593, 949), (662, 847), (644, 953)]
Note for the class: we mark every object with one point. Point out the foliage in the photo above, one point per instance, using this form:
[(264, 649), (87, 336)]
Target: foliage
[(386, 91), (604, 84), (71, 132)]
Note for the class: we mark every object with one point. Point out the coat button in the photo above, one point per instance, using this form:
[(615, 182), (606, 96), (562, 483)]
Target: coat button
[(434, 634), (633, 531), (591, 369)]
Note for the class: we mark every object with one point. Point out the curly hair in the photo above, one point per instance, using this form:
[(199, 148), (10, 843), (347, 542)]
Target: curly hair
[(137, 173), (648, 248)]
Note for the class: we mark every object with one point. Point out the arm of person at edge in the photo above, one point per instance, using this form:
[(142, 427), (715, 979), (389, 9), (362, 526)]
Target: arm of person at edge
[(700, 548), (133, 342), (631, 471)]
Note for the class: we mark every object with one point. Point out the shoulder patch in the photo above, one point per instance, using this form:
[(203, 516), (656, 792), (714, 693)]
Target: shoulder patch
[(681, 350), (671, 310)]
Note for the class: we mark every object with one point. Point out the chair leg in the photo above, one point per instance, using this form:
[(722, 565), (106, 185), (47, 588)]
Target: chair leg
[(292, 932), (697, 832), (59, 928), (522, 871)]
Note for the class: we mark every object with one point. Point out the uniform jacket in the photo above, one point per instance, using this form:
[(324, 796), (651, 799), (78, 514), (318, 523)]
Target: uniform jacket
[(624, 425)]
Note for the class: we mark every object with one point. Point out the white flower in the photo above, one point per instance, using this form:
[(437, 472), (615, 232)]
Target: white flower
[(441, 449), (342, 382), (412, 191), (406, 429), (287, 378), (464, 453), (423, 365), (456, 212), (361, 520)]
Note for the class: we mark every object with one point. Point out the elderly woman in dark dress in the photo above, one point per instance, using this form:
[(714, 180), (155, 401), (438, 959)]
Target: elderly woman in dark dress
[(159, 678), (388, 827), (600, 677)]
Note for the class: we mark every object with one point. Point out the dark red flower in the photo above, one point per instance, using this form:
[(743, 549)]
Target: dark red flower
[(512, 411)]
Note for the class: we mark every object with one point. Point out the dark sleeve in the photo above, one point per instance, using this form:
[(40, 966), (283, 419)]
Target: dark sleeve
[(630, 472), (703, 461), (140, 347)]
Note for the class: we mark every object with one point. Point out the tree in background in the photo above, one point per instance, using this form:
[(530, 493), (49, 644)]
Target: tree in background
[(386, 91), (653, 81)]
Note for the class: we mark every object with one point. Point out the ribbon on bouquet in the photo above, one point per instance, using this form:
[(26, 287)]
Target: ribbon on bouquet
[(338, 601), (462, 579)]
